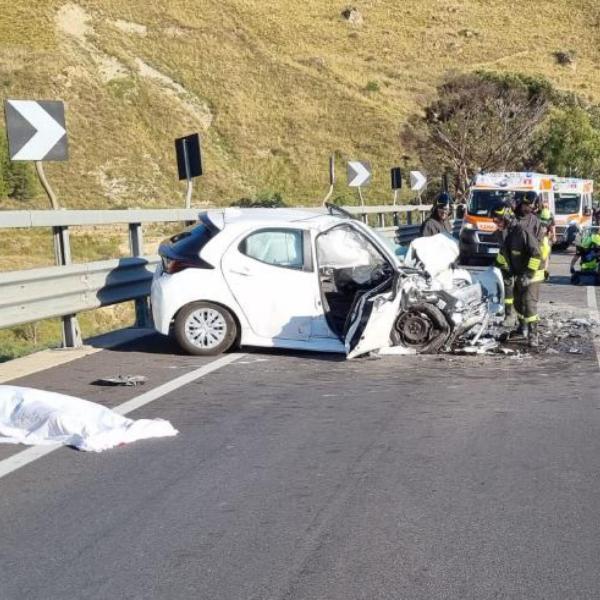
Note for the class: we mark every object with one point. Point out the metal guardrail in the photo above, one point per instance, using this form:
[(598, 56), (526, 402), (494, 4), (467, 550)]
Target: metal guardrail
[(67, 288), (60, 221), (68, 218), (36, 294)]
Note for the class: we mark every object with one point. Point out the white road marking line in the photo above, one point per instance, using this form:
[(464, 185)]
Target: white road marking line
[(593, 306), (25, 457)]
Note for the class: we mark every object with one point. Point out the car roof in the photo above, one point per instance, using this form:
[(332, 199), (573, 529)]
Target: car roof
[(273, 217)]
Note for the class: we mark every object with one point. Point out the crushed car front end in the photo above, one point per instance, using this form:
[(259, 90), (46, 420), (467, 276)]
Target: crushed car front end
[(431, 306)]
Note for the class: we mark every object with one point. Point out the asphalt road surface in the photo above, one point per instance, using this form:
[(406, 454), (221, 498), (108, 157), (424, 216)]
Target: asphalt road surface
[(305, 476)]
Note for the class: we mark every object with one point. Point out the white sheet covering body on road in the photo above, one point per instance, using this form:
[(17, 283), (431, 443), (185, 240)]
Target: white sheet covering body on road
[(37, 417)]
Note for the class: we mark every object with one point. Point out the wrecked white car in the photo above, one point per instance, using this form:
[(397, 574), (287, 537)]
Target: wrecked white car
[(291, 278)]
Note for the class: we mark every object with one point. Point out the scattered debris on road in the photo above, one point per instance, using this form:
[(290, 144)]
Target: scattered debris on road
[(121, 380), (37, 417), (560, 333)]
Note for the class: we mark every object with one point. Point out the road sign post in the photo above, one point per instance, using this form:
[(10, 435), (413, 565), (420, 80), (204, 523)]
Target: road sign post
[(418, 182), (359, 174), (37, 132), (331, 178), (189, 162), (396, 176)]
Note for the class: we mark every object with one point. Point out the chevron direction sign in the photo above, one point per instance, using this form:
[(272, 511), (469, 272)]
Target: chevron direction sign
[(36, 130), (417, 181), (359, 173)]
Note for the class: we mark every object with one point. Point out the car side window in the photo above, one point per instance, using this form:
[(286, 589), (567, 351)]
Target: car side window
[(277, 247)]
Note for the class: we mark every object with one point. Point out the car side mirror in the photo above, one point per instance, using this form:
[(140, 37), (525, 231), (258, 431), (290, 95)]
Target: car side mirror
[(587, 211)]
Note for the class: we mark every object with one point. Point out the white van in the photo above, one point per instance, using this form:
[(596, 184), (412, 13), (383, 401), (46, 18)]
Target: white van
[(572, 207)]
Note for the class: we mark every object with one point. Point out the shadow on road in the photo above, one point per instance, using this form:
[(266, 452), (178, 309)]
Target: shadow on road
[(304, 354), (153, 343), (560, 280), (161, 344)]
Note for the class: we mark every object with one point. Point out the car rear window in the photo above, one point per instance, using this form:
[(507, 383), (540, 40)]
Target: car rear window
[(188, 243)]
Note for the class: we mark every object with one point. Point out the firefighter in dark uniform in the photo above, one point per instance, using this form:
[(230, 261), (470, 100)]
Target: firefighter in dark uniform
[(525, 206), (439, 220), (504, 217), (520, 259)]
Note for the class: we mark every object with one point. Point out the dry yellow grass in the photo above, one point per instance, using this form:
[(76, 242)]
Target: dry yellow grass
[(273, 87)]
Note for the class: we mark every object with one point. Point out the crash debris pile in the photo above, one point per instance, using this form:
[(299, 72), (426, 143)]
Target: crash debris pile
[(564, 333), (560, 333)]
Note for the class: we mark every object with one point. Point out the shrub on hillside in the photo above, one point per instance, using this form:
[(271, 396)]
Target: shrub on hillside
[(262, 200), (17, 180)]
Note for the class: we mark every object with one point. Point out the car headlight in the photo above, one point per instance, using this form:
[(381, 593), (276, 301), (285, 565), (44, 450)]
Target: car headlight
[(469, 226)]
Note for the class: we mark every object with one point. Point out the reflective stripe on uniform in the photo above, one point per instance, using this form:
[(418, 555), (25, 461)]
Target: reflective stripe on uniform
[(545, 248), (509, 300), (538, 276), (533, 319), (500, 260), (534, 264)]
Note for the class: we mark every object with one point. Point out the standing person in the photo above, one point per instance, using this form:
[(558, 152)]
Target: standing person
[(461, 209), (439, 220), (549, 238), (525, 203), (503, 218), (520, 258)]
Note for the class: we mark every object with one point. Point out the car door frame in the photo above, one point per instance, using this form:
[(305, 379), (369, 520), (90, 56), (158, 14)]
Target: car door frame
[(375, 311), (308, 263)]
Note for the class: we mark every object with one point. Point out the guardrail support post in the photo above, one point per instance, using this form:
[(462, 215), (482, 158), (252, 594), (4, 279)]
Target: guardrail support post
[(71, 333), (136, 245)]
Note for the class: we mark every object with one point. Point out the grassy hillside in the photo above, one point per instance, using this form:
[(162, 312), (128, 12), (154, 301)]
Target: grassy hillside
[(273, 87)]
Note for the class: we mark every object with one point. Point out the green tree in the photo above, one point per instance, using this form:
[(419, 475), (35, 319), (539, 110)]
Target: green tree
[(569, 143), (479, 121)]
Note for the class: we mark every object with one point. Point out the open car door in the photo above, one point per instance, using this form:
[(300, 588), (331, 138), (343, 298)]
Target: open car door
[(372, 318), (358, 283)]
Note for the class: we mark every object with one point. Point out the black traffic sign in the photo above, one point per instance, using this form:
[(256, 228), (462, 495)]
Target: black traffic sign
[(396, 175), (189, 156)]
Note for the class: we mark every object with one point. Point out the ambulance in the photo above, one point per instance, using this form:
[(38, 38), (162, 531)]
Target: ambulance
[(478, 236), (572, 207)]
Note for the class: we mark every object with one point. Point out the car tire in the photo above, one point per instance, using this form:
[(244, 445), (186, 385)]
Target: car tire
[(416, 321), (205, 329)]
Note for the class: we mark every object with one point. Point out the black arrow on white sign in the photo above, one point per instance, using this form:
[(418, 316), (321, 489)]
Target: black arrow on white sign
[(36, 130)]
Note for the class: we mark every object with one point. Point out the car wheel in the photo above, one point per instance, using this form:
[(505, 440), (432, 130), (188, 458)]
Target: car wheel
[(205, 329), (423, 327)]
